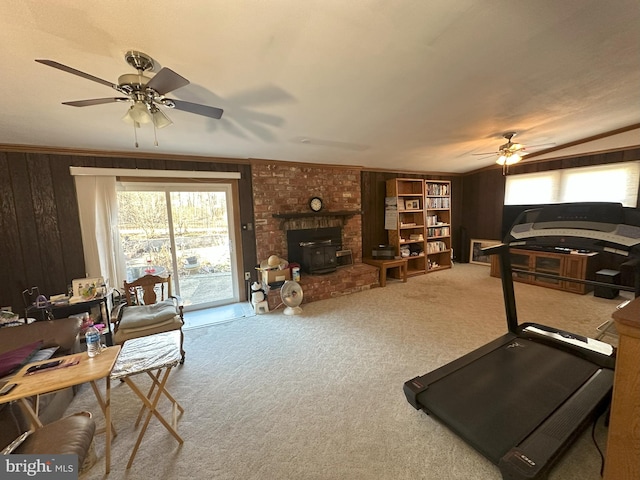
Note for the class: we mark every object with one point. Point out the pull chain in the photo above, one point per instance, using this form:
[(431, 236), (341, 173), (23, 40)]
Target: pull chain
[(155, 134), (135, 133)]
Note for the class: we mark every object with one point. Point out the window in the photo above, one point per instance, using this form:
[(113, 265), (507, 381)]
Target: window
[(532, 188), (184, 230), (103, 244), (603, 183)]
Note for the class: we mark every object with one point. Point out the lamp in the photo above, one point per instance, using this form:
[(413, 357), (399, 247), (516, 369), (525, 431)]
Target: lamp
[(139, 113), (146, 112), (160, 119)]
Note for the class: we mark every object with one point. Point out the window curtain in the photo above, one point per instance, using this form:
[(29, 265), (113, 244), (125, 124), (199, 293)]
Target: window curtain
[(614, 182), (98, 209)]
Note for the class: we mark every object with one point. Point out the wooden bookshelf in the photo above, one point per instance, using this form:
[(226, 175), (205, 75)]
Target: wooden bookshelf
[(438, 224), (407, 232)]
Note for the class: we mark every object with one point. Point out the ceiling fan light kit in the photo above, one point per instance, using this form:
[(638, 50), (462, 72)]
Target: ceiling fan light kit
[(508, 158), (138, 113), (159, 118), (145, 93)]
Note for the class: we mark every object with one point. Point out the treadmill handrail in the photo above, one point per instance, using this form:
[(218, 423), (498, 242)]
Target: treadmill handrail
[(507, 284)]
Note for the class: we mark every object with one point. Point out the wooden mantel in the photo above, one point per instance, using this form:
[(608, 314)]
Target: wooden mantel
[(623, 444), (292, 215)]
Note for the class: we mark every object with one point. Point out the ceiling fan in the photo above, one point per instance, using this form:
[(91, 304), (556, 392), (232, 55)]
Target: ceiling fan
[(146, 94), (510, 153)]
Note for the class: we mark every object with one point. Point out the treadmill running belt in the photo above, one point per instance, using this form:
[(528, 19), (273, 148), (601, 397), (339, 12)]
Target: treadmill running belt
[(503, 396)]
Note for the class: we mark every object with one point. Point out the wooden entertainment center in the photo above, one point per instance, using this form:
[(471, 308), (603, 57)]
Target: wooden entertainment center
[(581, 266)]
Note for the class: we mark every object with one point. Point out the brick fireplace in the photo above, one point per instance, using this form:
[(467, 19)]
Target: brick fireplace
[(280, 188)]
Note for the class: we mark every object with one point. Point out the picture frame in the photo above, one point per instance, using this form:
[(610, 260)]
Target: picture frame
[(412, 205), (475, 251), (87, 288)]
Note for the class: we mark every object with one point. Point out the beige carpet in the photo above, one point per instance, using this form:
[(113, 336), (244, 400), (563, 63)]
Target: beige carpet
[(319, 396)]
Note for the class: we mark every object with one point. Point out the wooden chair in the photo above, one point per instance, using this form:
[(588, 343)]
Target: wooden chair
[(148, 308)]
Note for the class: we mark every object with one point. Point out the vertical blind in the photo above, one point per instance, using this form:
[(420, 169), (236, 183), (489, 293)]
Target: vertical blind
[(616, 182)]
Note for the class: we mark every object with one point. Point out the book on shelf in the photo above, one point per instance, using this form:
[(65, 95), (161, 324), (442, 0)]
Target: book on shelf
[(441, 189), (435, 247), (438, 231), (432, 220), (438, 202)]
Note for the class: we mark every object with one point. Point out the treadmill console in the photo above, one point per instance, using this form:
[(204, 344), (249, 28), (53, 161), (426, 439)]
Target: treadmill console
[(581, 226)]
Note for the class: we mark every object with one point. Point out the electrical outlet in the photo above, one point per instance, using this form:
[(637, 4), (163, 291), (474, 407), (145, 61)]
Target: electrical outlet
[(247, 275)]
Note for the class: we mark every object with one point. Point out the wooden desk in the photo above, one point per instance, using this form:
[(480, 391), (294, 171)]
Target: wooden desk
[(384, 265), (47, 381), (622, 460), (155, 355)]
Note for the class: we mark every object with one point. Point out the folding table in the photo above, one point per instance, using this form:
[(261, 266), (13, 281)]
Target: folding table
[(155, 355), (86, 370)]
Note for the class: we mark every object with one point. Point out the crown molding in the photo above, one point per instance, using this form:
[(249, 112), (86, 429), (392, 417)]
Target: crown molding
[(116, 154)]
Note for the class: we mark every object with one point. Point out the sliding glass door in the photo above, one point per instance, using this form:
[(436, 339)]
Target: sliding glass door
[(185, 231)]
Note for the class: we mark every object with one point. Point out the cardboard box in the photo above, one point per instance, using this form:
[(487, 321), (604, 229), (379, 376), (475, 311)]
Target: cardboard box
[(272, 276)]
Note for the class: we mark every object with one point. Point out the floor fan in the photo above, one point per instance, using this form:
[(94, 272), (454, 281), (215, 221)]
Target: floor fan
[(291, 294)]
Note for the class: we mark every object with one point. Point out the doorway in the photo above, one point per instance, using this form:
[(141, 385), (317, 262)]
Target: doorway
[(184, 230)]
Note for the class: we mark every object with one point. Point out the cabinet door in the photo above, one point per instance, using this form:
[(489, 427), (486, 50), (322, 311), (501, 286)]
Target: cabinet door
[(521, 260), (550, 265), (574, 267)]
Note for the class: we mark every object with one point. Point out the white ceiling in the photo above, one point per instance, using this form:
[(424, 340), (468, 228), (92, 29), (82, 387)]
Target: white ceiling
[(417, 85)]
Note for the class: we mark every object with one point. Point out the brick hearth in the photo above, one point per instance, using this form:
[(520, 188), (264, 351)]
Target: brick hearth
[(345, 280)]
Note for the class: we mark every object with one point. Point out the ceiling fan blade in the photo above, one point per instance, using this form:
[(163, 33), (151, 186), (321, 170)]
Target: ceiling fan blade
[(67, 69), (166, 80), (486, 153), (198, 109), (95, 101)]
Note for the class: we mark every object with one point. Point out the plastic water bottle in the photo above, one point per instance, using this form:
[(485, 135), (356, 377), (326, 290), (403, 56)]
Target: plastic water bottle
[(92, 337)]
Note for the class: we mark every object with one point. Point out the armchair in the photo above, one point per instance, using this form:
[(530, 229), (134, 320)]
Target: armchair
[(148, 308)]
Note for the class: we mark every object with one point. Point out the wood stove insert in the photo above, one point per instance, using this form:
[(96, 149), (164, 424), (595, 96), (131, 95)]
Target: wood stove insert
[(315, 248)]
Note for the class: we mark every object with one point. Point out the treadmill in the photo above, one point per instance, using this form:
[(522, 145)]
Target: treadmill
[(522, 399)]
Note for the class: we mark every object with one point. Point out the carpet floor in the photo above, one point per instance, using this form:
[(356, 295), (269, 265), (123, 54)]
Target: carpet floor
[(319, 395)]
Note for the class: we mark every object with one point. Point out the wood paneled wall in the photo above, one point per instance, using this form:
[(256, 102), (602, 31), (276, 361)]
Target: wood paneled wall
[(40, 226)]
